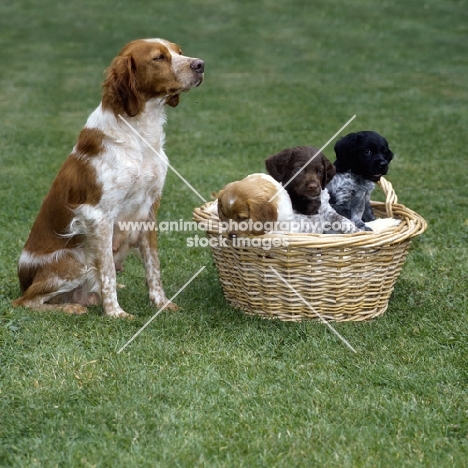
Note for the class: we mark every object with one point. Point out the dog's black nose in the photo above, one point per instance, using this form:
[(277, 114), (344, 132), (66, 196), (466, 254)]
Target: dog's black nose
[(198, 66), (383, 164)]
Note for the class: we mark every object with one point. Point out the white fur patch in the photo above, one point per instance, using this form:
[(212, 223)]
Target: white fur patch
[(36, 259), (380, 224)]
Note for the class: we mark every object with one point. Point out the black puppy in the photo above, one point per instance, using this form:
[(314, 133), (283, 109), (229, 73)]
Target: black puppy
[(306, 187), (361, 159)]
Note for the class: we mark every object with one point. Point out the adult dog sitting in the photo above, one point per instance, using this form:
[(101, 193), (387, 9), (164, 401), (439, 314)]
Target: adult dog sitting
[(362, 158), (111, 176)]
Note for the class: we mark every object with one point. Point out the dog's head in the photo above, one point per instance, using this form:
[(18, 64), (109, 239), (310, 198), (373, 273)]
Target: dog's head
[(363, 153), (246, 203), (147, 69), (304, 169)]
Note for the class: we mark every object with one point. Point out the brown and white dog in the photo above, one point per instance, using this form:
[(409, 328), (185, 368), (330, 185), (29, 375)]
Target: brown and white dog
[(75, 245), (254, 205)]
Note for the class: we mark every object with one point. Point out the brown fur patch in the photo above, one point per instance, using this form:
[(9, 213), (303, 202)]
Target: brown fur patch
[(75, 184), (248, 199), (90, 142)]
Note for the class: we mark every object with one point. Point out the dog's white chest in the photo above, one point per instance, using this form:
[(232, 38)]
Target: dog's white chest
[(133, 181), (132, 177)]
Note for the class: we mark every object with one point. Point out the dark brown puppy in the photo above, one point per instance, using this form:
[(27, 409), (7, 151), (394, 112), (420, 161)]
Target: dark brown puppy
[(303, 184)]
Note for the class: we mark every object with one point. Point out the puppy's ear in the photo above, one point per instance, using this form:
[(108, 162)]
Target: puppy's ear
[(262, 211), (121, 86), (328, 173), (220, 205), (277, 164), (345, 150), (388, 151)]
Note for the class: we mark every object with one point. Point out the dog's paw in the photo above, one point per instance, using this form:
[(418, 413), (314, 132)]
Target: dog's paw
[(361, 226), (348, 227), (74, 309), (166, 305), (117, 312), (172, 307), (158, 299)]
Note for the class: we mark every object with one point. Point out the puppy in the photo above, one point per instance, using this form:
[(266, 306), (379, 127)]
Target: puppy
[(253, 205), (303, 184), (361, 159), (305, 172)]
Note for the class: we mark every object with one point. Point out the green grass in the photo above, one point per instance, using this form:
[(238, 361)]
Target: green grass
[(209, 386)]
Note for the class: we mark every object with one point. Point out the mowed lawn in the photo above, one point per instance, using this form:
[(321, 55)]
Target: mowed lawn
[(209, 386)]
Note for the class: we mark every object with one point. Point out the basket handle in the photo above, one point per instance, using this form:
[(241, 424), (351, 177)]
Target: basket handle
[(390, 195)]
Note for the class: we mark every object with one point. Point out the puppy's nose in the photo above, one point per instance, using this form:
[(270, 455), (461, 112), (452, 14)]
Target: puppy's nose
[(198, 66), (312, 186)]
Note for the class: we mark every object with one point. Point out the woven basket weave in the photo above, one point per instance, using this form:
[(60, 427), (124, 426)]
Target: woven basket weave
[(345, 277)]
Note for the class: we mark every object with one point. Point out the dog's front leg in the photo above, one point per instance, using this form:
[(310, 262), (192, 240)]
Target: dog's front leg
[(100, 243), (357, 207), (149, 251), (368, 214)]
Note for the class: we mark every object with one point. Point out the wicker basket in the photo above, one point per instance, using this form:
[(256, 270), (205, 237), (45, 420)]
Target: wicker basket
[(316, 276)]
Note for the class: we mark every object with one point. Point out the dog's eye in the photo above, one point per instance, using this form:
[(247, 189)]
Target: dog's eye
[(159, 58), (320, 172), (367, 152)]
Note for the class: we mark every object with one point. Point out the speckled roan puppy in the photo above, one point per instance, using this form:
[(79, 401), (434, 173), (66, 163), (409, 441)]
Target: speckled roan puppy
[(361, 159)]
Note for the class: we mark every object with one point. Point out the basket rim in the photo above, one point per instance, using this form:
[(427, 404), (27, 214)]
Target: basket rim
[(412, 225)]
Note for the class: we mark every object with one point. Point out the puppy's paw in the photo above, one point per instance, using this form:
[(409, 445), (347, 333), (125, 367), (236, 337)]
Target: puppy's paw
[(368, 217), (348, 227), (361, 226)]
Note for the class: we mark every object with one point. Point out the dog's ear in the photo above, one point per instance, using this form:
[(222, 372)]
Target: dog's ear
[(121, 86), (261, 211), (388, 151), (173, 101), (345, 150), (277, 164), (220, 205), (329, 172)]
